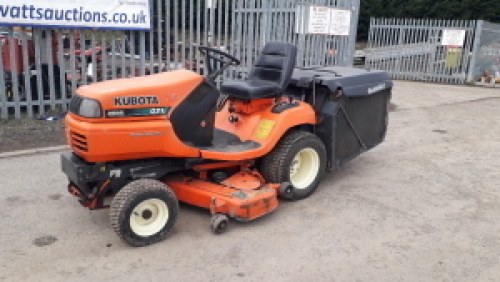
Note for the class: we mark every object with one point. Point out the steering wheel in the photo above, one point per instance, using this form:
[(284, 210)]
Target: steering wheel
[(217, 61)]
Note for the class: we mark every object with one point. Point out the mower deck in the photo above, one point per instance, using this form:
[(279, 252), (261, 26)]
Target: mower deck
[(241, 204)]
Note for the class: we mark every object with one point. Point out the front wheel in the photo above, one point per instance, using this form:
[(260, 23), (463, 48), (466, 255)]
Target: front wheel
[(300, 159), (144, 212), (219, 223)]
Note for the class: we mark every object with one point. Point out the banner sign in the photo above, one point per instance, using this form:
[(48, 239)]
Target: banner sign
[(323, 20), (100, 14)]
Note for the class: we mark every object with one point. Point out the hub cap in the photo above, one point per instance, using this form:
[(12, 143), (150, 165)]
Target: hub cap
[(149, 217), (304, 168)]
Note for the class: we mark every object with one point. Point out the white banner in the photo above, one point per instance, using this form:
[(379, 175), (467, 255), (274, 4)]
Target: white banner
[(100, 14)]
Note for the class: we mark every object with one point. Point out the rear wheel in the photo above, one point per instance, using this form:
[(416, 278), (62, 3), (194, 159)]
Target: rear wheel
[(144, 212), (300, 159)]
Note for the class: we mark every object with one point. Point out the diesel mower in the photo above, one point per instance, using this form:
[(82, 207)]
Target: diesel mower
[(147, 143)]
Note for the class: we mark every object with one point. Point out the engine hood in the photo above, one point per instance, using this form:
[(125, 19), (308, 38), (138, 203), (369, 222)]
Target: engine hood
[(159, 90)]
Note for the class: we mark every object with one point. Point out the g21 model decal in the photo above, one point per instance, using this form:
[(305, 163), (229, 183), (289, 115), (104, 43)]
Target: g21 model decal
[(133, 101), (141, 112)]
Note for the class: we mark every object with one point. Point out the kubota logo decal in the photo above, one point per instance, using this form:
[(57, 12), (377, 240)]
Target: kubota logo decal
[(132, 101)]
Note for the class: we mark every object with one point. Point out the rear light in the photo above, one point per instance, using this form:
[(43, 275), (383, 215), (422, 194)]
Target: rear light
[(85, 107)]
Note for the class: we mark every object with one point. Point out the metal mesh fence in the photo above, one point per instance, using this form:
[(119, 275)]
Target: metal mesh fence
[(414, 49), (41, 67)]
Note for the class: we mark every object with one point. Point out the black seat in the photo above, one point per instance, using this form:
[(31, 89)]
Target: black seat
[(270, 75)]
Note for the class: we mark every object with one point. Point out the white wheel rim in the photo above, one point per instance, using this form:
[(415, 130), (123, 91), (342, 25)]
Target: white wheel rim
[(149, 217), (304, 168)]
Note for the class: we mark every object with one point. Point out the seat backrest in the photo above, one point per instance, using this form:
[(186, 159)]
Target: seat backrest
[(275, 64)]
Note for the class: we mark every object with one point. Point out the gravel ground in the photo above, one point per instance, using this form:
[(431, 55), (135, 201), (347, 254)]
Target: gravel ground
[(30, 133)]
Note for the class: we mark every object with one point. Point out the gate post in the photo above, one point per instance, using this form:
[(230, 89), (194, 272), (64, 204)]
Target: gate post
[(475, 48), (351, 47)]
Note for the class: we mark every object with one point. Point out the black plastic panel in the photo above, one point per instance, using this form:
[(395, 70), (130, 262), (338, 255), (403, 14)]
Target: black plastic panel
[(193, 119)]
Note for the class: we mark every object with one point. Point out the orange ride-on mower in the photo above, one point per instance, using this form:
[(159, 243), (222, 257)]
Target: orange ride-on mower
[(152, 141)]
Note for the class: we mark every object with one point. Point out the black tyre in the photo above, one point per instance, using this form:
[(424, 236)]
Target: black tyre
[(298, 158), (144, 212)]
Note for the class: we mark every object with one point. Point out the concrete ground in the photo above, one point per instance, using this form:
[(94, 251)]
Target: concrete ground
[(423, 206)]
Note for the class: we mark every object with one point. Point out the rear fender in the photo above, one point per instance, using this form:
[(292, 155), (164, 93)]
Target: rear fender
[(272, 127), (263, 127)]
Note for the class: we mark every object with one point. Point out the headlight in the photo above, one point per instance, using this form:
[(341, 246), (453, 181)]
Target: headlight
[(90, 108), (85, 107)]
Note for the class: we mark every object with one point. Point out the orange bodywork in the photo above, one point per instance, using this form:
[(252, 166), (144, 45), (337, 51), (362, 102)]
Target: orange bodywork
[(244, 194), (102, 142), (171, 87), (105, 139), (259, 124)]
